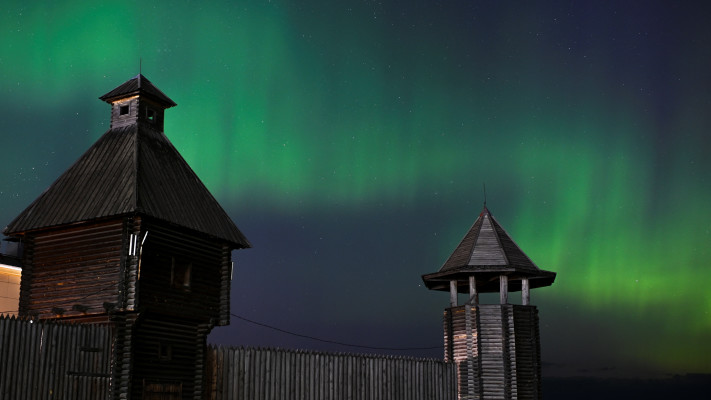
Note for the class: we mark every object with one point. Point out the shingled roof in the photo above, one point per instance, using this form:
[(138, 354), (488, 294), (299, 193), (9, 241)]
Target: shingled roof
[(487, 250), (132, 169)]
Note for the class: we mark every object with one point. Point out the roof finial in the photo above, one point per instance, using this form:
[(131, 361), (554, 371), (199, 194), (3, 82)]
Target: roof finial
[(484, 194)]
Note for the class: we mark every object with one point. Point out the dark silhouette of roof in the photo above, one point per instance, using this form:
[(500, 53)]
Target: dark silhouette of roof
[(132, 169), (487, 250)]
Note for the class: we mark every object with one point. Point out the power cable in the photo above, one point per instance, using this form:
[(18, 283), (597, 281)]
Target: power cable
[(332, 341)]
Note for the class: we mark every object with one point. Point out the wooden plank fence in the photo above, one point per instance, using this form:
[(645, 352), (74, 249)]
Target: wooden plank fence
[(49, 360), (238, 373), (52, 360)]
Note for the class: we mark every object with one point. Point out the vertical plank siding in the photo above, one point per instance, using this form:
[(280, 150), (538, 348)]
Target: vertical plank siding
[(49, 360), (496, 349), (528, 353), (238, 373)]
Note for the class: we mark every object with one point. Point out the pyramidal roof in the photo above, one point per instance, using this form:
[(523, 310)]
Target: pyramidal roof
[(487, 250), (138, 85), (132, 169)]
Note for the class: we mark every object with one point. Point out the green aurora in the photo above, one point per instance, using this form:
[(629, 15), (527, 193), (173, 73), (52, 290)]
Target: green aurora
[(589, 127)]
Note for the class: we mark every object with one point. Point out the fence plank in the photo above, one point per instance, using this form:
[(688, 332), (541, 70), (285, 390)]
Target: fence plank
[(46, 359), (257, 373)]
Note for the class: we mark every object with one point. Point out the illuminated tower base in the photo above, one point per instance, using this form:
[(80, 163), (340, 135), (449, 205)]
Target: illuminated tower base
[(497, 350)]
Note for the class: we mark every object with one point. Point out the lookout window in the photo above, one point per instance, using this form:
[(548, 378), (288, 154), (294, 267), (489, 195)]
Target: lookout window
[(123, 110), (150, 115), (180, 272), (165, 352)]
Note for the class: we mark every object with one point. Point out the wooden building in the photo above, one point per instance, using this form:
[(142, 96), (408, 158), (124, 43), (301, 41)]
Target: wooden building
[(130, 237), (496, 346), (10, 273)]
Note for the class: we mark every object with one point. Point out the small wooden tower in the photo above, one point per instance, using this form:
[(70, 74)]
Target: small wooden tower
[(496, 346), (129, 236)]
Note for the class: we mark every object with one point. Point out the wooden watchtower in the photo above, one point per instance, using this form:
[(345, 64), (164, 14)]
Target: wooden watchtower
[(129, 236), (496, 346)]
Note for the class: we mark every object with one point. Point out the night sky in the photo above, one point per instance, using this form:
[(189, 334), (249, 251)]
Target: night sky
[(350, 141)]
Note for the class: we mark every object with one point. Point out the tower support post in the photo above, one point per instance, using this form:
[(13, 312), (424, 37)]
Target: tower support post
[(473, 294), (504, 289), (525, 292), (453, 293)]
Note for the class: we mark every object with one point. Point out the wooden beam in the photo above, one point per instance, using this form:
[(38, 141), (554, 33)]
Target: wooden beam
[(504, 289), (525, 292), (473, 295), (453, 293)]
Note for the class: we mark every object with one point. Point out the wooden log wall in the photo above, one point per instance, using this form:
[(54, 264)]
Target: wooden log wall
[(123, 324), (497, 350), (166, 245), (528, 353), (247, 373), (462, 345), (225, 286), (164, 359), (72, 272), (50, 360)]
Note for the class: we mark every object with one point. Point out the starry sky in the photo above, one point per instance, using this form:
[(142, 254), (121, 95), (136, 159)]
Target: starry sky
[(351, 141)]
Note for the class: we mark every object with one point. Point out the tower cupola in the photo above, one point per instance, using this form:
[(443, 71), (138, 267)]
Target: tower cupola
[(137, 100), (487, 260)]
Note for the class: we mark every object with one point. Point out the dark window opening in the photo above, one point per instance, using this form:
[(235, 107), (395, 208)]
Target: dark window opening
[(165, 352), (123, 110), (150, 115), (180, 274)]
